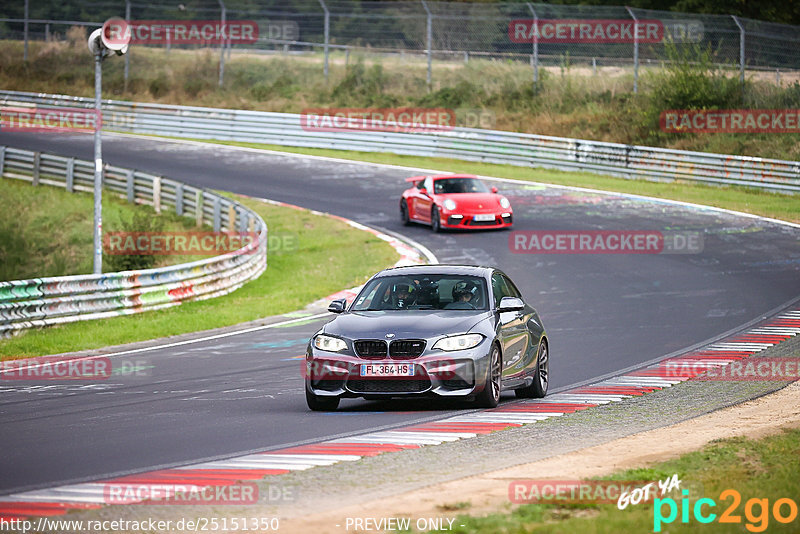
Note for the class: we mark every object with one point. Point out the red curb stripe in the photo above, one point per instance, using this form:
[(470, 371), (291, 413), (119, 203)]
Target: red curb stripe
[(611, 391), (197, 477), (42, 508)]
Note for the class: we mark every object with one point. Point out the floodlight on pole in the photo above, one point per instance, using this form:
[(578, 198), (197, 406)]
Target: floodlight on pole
[(114, 36)]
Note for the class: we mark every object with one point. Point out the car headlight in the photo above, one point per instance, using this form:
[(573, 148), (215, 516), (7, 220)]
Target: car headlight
[(450, 204), (504, 203), (329, 343), (461, 342)]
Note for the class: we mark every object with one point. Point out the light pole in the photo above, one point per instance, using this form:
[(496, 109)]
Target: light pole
[(112, 37)]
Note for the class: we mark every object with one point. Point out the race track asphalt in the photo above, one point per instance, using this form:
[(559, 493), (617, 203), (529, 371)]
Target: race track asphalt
[(218, 398)]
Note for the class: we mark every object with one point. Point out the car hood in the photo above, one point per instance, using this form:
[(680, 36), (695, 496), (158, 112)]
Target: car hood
[(487, 202), (419, 324)]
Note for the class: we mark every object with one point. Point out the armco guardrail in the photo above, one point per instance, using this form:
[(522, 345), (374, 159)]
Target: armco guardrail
[(47, 301), (628, 161)]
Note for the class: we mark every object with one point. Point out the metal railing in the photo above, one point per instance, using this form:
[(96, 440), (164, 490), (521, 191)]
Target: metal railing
[(491, 146), (47, 301)]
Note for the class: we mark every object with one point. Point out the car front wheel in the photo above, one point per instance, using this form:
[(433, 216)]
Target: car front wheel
[(436, 220), (321, 404), (490, 396)]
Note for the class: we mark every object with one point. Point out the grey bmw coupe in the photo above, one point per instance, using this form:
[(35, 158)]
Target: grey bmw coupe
[(430, 330)]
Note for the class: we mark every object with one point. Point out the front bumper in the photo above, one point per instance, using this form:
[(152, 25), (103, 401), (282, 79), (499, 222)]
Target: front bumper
[(467, 221), (436, 374)]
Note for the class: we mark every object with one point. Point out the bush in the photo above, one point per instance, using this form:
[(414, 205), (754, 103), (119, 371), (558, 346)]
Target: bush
[(159, 86), (142, 220)]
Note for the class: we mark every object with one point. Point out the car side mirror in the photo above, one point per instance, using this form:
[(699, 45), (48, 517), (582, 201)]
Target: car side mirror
[(423, 190), (337, 306), (494, 189), (509, 304)]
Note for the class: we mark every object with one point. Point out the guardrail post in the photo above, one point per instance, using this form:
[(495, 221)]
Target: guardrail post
[(429, 40), (37, 161), (71, 175), (535, 56), (327, 35), (130, 186), (251, 224), (231, 218), (217, 214), (2, 160), (157, 194), (179, 199), (198, 208), (244, 222), (635, 50)]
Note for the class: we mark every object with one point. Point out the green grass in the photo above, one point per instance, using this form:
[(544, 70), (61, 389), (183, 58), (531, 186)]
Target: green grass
[(567, 102), (748, 200), (37, 240), (757, 469), (323, 256)]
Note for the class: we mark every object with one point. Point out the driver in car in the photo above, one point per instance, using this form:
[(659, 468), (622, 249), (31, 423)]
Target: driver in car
[(402, 296), (463, 294)]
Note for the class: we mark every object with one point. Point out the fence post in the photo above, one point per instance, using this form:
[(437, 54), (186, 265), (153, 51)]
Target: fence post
[(635, 50), (179, 199), (741, 48), (222, 45), (327, 35), (429, 40), (128, 54), (198, 208), (535, 56), (231, 218), (37, 160), (217, 215), (25, 30), (157, 194), (71, 175), (2, 160), (130, 186)]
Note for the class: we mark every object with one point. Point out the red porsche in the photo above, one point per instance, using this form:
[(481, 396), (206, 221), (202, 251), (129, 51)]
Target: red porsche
[(454, 201)]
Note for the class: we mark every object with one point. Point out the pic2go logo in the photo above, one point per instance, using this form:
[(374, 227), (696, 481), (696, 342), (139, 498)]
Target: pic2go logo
[(756, 511)]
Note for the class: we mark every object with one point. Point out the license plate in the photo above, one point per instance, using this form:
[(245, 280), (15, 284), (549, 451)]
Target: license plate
[(387, 369), (483, 217)]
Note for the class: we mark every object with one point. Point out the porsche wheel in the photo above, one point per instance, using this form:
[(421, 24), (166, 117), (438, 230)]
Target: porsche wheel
[(404, 213), (436, 220)]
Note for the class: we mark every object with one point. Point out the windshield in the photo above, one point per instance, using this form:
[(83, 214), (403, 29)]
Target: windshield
[(445, 186), (424, 292)]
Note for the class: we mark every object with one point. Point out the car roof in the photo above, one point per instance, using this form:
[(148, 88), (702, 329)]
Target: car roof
[(439, 176), (438, 268)]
